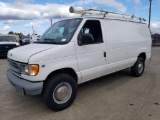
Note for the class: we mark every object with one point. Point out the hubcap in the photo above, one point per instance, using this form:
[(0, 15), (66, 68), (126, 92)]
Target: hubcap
[(140, 67), (62, 93)]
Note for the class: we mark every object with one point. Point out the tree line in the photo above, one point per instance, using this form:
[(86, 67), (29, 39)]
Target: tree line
[(21, 35)]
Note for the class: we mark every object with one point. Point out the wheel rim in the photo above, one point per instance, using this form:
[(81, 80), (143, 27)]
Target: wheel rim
[(140, 67), (62, 93)]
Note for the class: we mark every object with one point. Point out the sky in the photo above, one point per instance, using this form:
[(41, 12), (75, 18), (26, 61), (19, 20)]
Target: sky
[(26, 15)]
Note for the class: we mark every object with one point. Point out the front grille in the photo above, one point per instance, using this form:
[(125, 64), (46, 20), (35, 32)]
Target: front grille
[(5, 48), (15, 67)]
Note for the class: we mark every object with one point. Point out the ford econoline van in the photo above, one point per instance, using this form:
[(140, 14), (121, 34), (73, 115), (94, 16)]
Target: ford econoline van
[(76, 50)]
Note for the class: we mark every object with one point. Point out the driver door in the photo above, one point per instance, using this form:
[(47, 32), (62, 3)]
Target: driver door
[(91, 55)]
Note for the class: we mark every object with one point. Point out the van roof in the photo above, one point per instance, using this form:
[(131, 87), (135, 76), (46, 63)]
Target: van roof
[(101, 18)]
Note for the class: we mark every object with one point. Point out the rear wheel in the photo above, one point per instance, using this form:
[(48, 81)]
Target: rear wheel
[(138, 68), (59, 91)]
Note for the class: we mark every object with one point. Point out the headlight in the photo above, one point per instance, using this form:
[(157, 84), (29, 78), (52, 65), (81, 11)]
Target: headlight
[(30, 69)]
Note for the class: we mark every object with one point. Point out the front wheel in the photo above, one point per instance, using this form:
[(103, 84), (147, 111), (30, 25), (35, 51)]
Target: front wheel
[(59, 92), (138, 68)]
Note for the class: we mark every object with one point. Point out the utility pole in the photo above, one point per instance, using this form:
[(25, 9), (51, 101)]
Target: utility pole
[(150, 7), (33, 29), (51, 21)]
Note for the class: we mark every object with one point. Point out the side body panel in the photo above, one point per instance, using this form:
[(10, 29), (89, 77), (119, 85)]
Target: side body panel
[(125, 41)]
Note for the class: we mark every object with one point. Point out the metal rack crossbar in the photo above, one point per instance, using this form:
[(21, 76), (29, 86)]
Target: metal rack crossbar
[(105, 14)]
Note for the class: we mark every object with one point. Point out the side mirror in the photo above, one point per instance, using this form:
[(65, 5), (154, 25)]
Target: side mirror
[(80, 39), (85, 39)]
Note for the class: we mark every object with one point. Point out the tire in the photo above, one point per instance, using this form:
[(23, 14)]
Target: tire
[(138, 68), (59, 91)]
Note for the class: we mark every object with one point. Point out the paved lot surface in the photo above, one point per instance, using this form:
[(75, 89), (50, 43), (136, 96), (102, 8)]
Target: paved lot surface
[(118, 96)]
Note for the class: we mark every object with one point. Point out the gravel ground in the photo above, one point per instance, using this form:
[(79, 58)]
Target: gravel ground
[(118, 96)]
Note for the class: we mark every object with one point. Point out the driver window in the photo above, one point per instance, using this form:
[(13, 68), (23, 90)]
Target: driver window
[(90, 33)]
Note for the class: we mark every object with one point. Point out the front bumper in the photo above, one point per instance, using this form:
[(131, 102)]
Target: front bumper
[(24, 87)]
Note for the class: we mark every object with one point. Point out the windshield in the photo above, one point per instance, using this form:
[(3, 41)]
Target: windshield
[(60, 32), (7, 39)]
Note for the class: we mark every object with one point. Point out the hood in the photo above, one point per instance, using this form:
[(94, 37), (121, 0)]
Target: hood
[(23, 53), (9, 43)]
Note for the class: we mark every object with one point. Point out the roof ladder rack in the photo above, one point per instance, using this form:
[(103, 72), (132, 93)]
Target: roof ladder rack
[(105, 14)]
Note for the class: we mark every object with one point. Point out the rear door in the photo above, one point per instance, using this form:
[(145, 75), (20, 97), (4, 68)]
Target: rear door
[(91, 55)]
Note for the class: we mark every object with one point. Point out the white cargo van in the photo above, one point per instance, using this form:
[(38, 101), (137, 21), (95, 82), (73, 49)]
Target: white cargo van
[(73, 51)]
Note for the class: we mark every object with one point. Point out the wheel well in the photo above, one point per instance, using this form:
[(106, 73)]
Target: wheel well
[(143, 55), (68, 71)]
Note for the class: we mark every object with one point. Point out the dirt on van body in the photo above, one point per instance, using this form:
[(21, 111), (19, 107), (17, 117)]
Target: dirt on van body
[(118, 96)]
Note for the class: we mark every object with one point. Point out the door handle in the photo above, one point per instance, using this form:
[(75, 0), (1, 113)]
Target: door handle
[(104, 54)]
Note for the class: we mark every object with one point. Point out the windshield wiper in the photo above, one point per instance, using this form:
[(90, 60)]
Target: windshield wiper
[(49, 39)]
